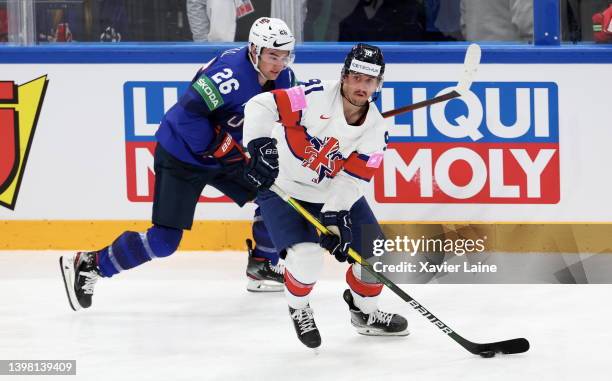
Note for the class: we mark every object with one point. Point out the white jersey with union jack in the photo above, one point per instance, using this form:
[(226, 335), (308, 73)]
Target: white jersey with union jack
[(322, 158)]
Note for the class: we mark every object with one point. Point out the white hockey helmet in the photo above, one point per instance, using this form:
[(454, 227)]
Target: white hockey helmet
[(268, 32)]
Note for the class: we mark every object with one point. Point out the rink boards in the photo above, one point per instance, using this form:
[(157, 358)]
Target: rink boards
[(527, 145)]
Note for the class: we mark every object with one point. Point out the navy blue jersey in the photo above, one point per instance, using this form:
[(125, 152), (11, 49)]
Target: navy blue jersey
[(216, 97)]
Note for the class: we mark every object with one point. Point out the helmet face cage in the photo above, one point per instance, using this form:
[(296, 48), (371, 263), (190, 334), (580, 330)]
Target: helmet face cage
[(272, 33), (365, 59)]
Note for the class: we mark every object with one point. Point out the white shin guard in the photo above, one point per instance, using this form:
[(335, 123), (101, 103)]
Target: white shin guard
[(304, 263), (365, 304)]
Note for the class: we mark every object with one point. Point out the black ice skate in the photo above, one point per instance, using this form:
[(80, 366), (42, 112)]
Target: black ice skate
[(80, 274), (377, 323), (305, 327), (262, 275)]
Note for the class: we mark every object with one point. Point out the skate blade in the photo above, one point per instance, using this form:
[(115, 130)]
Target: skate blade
[(254, 285), (367, 331), (67, 269)]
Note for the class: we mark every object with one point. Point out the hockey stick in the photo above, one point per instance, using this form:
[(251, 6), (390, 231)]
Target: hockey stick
[(470, 65), (485, 349)]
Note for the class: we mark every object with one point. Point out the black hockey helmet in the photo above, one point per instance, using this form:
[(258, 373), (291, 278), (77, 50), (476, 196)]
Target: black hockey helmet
[(365, 59)]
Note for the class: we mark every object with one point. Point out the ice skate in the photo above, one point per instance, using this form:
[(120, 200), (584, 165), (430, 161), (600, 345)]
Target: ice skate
[(80, 274), (305, 327), (262, 275), (378, 323)]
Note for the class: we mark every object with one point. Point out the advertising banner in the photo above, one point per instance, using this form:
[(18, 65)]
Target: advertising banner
[(515, 149)]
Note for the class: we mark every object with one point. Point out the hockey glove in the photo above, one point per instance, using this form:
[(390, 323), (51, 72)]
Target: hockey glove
[(225, 149), (337, 244), (262, 170)]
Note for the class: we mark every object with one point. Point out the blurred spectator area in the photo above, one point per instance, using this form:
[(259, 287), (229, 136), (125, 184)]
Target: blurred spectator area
[(323, 20), (3, 22), (382, 20), (576, 18), (135, 20), (497, 20), (262, 8)]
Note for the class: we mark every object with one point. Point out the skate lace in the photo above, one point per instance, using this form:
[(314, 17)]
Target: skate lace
[(279, 268), (305, 319), (383, 317), (90, 281)]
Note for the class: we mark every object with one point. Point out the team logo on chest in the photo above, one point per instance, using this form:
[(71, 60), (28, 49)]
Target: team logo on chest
[(323, 157)]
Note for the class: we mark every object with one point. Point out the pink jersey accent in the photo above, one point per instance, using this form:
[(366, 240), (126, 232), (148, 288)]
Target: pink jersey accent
[(375, 160), (297, 98)]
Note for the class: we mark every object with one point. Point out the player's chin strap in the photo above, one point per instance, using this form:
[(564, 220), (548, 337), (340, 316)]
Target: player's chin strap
[(349, 100), (364, 106), (255, 62)]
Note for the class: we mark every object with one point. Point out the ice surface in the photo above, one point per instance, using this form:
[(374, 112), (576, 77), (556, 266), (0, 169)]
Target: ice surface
[(189, 317)]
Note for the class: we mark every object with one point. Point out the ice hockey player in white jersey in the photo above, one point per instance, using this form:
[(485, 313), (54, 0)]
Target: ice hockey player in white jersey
[(330, 139)]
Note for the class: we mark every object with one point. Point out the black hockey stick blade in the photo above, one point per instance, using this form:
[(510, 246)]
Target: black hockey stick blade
[(506, 347)]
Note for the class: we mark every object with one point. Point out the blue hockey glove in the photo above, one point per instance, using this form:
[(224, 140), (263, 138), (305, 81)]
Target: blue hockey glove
[(262, 170), (337, 244)]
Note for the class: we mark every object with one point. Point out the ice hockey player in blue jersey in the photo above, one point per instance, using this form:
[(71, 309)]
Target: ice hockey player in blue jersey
[(199, 144)]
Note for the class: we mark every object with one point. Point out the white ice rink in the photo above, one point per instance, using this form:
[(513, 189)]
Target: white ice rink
[(189, 317)]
